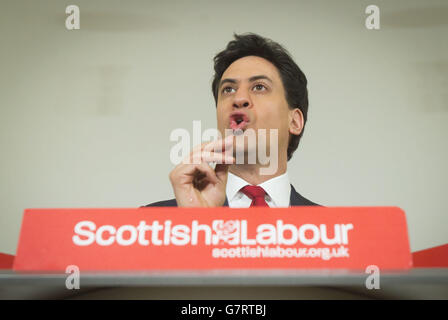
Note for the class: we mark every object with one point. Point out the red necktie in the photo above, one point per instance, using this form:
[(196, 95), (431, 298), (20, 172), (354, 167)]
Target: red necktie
[(257, 195)]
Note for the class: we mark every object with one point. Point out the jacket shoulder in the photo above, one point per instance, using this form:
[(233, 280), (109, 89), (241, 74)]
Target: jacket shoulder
[(298, 200)]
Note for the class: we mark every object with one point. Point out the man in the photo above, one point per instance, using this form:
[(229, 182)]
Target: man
[(256, 86)]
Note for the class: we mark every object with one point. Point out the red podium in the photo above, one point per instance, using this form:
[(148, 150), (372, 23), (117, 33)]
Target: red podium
[(213, 238), (220, 253)]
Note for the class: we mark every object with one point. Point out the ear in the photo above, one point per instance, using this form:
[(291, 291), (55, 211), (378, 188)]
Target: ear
[(296, 121)]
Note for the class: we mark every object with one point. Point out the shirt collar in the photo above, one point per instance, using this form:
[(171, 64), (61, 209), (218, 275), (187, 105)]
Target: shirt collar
[(234, 184), (278, 188)]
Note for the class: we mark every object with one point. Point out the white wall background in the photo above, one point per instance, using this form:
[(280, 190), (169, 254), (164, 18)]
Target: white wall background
[(85, 115)]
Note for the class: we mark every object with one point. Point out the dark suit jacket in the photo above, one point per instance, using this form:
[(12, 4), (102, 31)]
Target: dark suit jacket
[(296, 200)]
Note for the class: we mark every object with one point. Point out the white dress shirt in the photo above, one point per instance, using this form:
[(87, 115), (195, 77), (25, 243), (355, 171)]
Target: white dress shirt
[(278, 192)]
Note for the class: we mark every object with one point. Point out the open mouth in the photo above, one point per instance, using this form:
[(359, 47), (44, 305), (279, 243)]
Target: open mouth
[(238, 121)]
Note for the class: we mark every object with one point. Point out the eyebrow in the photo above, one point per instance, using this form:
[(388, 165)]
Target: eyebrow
[(251, 79)]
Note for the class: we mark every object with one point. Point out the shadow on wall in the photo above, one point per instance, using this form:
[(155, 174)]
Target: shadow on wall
[(118, 22), (416, 17)]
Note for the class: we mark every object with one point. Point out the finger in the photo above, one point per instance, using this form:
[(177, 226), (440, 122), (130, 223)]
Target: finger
[(221, 171), (219, 145), (217, 157), (199, 157), (204, 171)]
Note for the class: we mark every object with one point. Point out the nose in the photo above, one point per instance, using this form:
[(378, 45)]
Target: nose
[(242, 101)]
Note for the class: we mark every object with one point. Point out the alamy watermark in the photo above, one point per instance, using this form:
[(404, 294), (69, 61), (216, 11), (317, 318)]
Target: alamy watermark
[(73, 279), (373, 280), (247, 147), (373, 20), (73, 21)]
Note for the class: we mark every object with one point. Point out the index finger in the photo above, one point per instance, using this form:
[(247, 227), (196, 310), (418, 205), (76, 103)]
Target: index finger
[(220, 145)]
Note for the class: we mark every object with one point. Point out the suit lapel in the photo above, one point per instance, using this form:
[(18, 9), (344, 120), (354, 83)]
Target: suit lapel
[(298, 200), (295, 198)]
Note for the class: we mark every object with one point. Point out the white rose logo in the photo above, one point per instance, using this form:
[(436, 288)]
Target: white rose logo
[(226, 231)]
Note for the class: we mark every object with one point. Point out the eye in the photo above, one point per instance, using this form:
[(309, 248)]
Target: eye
[(259, 87), (227, 90)]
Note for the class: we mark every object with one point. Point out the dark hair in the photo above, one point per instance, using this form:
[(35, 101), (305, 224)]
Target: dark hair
[(294, 80)]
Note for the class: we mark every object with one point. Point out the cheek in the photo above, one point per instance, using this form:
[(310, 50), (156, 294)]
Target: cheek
[(278, 120), (275, 117)]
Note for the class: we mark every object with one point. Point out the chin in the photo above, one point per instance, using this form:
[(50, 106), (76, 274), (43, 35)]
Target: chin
[(245, 155)]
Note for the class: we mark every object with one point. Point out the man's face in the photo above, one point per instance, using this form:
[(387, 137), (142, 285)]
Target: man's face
[(251, 95)]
